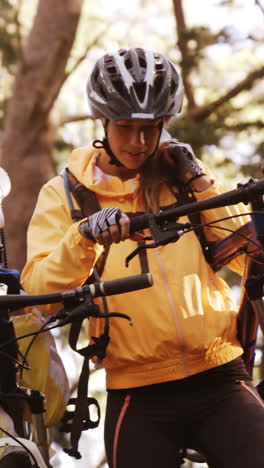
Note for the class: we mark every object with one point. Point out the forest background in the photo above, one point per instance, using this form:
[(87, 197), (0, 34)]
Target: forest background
[(47, 49)]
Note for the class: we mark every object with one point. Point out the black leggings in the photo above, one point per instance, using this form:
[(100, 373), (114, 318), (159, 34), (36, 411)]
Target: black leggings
[(222, 418)]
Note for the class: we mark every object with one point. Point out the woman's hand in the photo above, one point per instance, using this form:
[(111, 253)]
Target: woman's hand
[(106, 226), (181, 157)]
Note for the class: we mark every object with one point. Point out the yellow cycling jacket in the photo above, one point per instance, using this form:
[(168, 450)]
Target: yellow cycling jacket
[(184, 324)]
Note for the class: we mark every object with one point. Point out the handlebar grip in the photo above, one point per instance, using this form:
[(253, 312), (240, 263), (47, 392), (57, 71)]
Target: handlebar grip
[(18, 301), (103, 288), (121, 285), (138, 222)]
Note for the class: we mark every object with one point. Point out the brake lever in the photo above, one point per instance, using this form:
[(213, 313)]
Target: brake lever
[(166, 231), (162, 234), (85, 309)]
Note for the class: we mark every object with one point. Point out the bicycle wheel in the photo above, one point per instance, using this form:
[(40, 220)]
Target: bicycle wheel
[(16, 460)]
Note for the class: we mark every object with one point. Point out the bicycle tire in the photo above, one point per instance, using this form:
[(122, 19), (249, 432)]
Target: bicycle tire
[(16, 460)]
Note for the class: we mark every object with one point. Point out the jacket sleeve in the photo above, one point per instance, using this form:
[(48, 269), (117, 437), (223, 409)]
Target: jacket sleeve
[(58, 256), (235, 214)]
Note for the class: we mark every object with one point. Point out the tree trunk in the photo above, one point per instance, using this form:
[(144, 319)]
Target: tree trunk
[(27, 142)]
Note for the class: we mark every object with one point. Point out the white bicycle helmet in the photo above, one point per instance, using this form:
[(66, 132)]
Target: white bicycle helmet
[(134, 84)]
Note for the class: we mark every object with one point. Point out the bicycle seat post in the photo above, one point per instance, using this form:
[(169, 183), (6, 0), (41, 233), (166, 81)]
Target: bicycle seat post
[(36, 401)]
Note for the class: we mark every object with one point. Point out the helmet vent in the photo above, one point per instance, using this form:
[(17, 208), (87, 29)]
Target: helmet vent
[(140, 89), (120, 87), (158, 84), (96, 74), (142, 62), (128, 63), (173, 87), (102, 92), (158, 65), (111, 70)]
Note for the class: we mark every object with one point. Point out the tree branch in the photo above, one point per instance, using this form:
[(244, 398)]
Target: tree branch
[(183, 46), (72, 119), (203, 112), (245, 125), (259, 4), (84, 55), (234, 128)]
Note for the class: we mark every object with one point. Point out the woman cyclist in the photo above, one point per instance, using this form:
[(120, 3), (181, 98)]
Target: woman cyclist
[(176, 377)]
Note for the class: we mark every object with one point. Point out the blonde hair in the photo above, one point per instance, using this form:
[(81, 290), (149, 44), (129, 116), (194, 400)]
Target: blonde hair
[(154, 174)]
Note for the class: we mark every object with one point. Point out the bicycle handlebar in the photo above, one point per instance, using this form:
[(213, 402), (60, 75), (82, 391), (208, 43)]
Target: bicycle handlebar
[(244, 193), (102, 288)]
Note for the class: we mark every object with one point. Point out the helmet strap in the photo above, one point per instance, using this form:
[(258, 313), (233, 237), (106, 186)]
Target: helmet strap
[(104, 144)]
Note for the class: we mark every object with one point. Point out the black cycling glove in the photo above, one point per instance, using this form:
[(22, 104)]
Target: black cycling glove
[(186, 165), (99, 222)]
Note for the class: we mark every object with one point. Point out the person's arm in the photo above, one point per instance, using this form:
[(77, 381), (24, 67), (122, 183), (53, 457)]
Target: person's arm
[(59, 257), (236, 218), (191, 171)]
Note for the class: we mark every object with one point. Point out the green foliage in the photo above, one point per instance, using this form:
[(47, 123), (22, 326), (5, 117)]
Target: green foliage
[(9, 52), (196, 39), (230, 139), (9, 34), (104, 27), (253, 171), (196, 133), (14, 25)]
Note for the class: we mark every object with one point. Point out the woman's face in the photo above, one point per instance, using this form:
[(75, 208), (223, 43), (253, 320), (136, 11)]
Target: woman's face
[(132, 142)]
